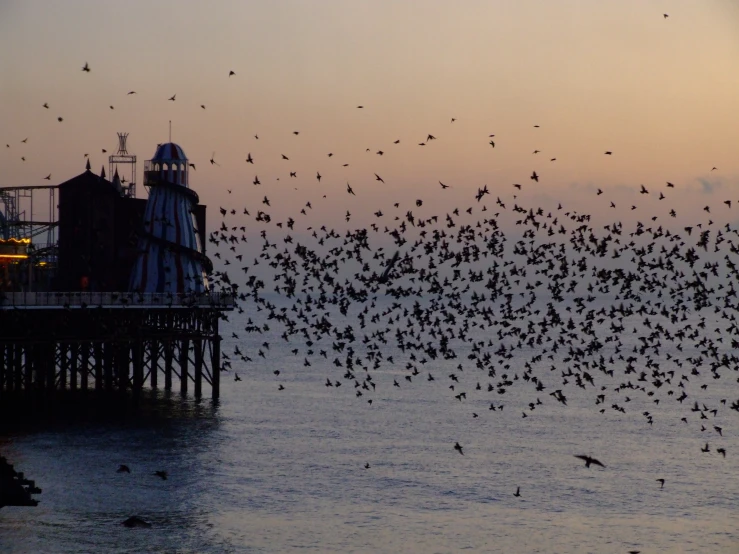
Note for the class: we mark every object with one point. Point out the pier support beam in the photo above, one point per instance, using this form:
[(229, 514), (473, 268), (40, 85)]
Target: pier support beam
[(215, 362), (184, 358), (154, 363), (198, 344), (168, 356)]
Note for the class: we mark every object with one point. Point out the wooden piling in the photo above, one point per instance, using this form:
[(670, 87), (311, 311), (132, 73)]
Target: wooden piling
[(168, 355), (215, 362), (74, 366), (184, 358), (108, 361), (138, 365), (84, 365), (153, 363), (63, 364), (97, 352), (198, 344)]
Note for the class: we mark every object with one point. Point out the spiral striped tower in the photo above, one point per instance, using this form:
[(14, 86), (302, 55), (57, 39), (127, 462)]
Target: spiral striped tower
[(170, 258)]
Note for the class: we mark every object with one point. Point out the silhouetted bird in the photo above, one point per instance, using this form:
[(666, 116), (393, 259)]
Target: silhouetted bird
[(589, 460)]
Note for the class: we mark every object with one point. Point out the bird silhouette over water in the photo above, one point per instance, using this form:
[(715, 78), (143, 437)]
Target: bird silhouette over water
[(661, 483), (161, 474), (458, 448), (123, 469), (589, 460)]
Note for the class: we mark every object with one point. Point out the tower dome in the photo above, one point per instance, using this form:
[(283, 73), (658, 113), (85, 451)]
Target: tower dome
[(168, 164)]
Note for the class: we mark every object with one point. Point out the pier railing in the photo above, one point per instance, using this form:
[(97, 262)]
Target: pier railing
[(17, 300)]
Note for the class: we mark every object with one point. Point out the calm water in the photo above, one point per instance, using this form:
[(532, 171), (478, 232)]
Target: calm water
[(278, 471)]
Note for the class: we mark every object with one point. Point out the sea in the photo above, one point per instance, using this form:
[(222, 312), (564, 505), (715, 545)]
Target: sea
[(316, 468)]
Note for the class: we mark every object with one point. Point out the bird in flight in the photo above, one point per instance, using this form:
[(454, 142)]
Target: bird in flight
[(665, 15), (213, 160), (162, 474), (46, 105), (173, 97), (589, 460), (661, 483), (231, 73), (132, 92), (443, 186), (86, 67), (608, 153), (518, 492), (48, 177), (249, 158), (378, 178), (535, 177), (458, 448)]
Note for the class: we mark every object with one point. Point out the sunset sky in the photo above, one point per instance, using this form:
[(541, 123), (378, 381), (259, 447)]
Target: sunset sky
[(661, 94)]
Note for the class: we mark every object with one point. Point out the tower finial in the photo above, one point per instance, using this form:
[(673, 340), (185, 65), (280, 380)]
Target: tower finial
[(170, 130), (87, 165)]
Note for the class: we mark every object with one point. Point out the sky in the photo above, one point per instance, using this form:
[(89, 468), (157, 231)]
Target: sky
[(595, 75)]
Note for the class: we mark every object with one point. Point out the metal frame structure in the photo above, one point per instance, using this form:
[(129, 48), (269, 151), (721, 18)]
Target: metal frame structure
[(17, 213), (123, 158)]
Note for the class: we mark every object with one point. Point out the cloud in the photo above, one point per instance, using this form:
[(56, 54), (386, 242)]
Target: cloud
[(709, 186)]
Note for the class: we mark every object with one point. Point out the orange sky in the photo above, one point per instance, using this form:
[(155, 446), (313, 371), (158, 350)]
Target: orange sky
[(661, 94)]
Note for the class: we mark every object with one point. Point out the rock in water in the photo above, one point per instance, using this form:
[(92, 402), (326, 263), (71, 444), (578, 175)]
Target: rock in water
[(136, 521)]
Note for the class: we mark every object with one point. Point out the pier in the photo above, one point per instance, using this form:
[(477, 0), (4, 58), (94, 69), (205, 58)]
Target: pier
[(108, 342)]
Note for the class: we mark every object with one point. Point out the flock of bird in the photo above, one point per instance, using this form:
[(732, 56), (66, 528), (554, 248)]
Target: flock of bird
[(488, 296)]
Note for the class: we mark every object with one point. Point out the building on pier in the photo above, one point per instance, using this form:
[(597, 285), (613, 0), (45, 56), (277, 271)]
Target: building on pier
[(128, 305)]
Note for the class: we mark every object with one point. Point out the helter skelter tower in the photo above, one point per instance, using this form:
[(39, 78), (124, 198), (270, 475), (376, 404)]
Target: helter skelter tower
[(170, 258)]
